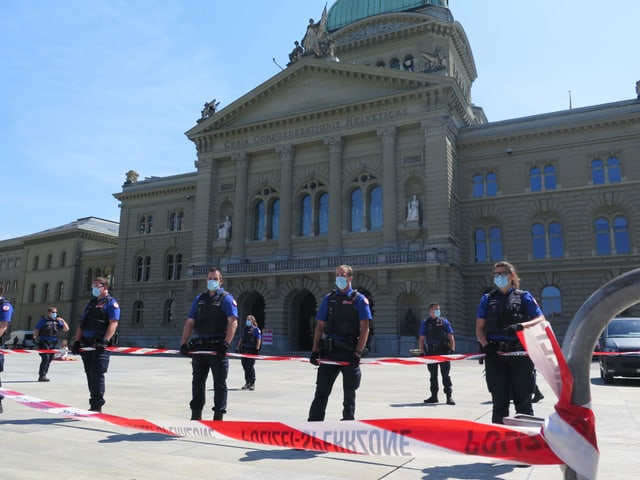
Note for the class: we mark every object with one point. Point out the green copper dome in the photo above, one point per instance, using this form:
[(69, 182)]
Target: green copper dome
[(345, 12)]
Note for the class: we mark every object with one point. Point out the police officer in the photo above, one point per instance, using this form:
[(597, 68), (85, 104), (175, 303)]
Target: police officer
[(6, 312), (250, 342), (97, 331), (501, 313), (341, 334), (213, 319), (436, 338), (45, 335)]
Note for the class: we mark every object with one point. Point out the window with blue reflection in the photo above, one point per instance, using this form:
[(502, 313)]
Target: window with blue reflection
[(495, 243), (323, 214), (375, 207), (603, 239), (551, 300), (492, 184), (549, 177), (539, 241), (305, 216), (259, 220), (597, 172), (478, 186), (480, 238), (356, 210), (556, 246), (621, 235), (275, 219), (613, 170), (535, 179)]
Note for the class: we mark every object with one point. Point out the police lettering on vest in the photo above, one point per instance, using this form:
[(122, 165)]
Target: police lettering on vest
[(96, 318), (502, 311), (210, 321), (436, 336), (343, 322)]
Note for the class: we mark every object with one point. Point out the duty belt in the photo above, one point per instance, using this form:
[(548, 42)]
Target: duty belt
[(506, 347)]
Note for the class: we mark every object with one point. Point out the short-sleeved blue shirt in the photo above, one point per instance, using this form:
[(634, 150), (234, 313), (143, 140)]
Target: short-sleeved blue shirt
[(6, 311), (112, 308), (529, 303), (42, 323), (361, 305), (228, 305)]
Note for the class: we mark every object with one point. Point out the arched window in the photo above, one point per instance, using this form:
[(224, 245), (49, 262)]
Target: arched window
[(168, 312), (495, 244), (357, 210), (63, 259), (323, 214), (547, 240), (143, 268), (613, 170), (36, 262), (138, 312), (46, 289), (535, 179), (597, 172), (480, 239), (60, 291), (539, 241), (49, 261), (488, 247), (551, 300), (375, 208), (32, 294), (549, 177), (305, 216), (275, 219), (478, 186), (259, 219), (492, 184), (603, 239), (175, 221), (621, 235), (612, 236), (174, 266)]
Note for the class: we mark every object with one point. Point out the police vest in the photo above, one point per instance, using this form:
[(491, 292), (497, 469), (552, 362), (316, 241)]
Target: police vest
[(504, 311), (436, 334), (343, 320), (50, 328), (249, 340), (96, 318), (210, 321)]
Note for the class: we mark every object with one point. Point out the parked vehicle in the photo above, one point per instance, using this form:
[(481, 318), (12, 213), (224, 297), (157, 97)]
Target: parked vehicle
[(20, 339), (621, 335)]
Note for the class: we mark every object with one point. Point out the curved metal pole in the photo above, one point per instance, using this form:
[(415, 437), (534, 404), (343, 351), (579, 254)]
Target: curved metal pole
[(605, 303)]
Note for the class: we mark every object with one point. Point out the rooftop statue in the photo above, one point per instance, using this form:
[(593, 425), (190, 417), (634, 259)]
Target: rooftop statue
[(132, 177), (209, 109), (316, 41)]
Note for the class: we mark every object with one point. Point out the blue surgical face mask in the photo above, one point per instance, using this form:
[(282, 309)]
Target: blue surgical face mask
[(501, 281), (53, 315), (96, 291), (341, 282), (436, 312), (248, 323), (213, 285)]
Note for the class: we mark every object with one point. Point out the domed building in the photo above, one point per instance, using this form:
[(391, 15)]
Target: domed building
[(367, 150)]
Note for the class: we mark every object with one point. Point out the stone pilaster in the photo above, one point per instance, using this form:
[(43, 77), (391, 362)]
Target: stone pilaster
[(334, 244), (286, 153), (239, 220), (389, 193)]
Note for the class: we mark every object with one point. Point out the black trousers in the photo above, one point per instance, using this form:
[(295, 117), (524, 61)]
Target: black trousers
[(445, 370), (248, 365), (509, 376), (219, 366), (327, 374), (95, 366)]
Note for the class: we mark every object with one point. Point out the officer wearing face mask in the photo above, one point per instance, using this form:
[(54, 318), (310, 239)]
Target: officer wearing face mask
[(212, 320), (341, 334), (45, 335), (97, 331), (503, 312), (250, 342)]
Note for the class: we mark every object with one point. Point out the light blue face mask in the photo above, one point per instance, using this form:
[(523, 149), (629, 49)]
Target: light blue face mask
[(248, 323), (501, 281), (96, 291), (341, 282), (436, 312), (213, 285), (54, 315)]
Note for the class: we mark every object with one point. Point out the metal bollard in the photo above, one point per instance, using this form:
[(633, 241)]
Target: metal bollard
[(604, 304)]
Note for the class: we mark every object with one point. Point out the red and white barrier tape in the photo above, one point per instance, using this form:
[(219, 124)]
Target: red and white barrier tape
[(410, 437)]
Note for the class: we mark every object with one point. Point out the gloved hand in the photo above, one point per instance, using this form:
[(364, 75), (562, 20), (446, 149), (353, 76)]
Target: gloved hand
[(490, 350), (355, 360), (514, 327), (75, 348), (184, 349), (313, 359), (100, 346), (43, 345), (222, 349)]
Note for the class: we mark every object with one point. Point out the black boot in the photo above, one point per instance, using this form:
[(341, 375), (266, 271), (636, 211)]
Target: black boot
[(537, 395), (1, 410), (218, 415), (432, 399), (196, 414), (450, 400)]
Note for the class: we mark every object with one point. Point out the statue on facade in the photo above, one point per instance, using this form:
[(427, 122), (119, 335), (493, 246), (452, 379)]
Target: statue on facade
[(224, 229), (435, 61), (132, 177), (296, 53), (413, 209), (209, 109)]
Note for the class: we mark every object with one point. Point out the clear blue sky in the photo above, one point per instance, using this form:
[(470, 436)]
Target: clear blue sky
[(94, 88)]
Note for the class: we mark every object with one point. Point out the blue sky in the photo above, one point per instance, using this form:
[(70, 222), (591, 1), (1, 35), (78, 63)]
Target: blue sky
[(94, 88)]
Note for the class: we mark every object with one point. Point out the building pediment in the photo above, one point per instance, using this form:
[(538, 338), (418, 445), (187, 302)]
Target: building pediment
[(310, 86)]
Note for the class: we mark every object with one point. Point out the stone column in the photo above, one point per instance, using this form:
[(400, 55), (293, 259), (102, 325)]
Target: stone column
[(203, 227), (239, 220), (389, 194), (286, 153), (334, 244)]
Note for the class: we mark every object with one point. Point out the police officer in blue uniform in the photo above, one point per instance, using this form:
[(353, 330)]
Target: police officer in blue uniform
[(45, 335), (212, 320), (250, 342), (6, 312), (436, 338), (341, 334), (501, 313), (97, 330)]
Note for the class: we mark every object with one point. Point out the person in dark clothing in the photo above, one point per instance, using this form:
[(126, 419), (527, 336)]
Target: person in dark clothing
[(341, 334), (436, 338), (503, 312), (213, 319), (45, 335), (250, 342)]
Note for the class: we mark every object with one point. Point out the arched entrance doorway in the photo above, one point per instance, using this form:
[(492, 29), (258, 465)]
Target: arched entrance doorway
[(302, 315)]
